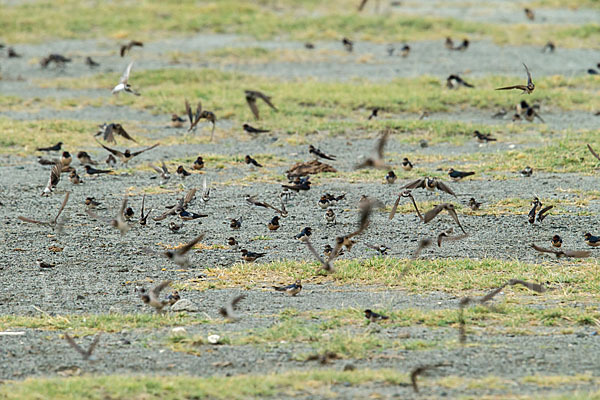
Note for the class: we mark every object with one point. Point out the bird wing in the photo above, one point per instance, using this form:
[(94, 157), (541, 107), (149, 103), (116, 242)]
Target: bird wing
[(252, 104), (536, 287), (415, 204), (75, 345), (422, 244), (33, 221), (543, 250), (123, 50), (431, 214), (125, 76), (113, 151), (62, 207), (493, 293), (236, 300), (189, 245), (266, 99), (122, 132), (529, 81), (198, 112), (188, 111), (326, 265), (395, 206), (108, 134), (542, 213), (593, 152), (576, 254), (158, 288), (137, 153), (522, 87), (93, 345), (443, 187), (381, 143), (189, 197), (418, 184), (454, 216)]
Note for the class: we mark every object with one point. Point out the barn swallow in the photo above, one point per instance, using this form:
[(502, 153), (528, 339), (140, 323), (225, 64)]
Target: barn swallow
[(55, 223), (182, 172), (253, 131), (229, 310), (182, 203), (525, 88), (290, 290), (252, 96), (252, 161), (421, 369), (144, 217), (152, 297), (128, 214), (318, 153), (56, 147), (458, 175), (550, 47), (252, 200), (591, 240), (390, 177), (194, 118), (273, 225), (54, 178), (449, 44), (84, 158), (44, 161), (556, 241), (91, 202), (327, 250), (173, 298), (376, 161), (173, 227), (126, 156), (529, 14), (108, 132), (66, 159), (405, 193), (423, 243), (163, 172), (177, 121), (124, 85), (374, 113), (405, 50), (535, 206), (126, 47), (178, 256), (531, 114), (562, 253), (44, 265), (464, 45), (235, 223), (91, 63), (324, 202), (348, 44), (527, 171), (190, 216), (111, 160), (429, 184), (86, 354), (445, 236), (330, 216), (305, 185), (198, 164), (374, 317), (231, 242), (12, 53), (455, 81), (474, 204), (58, 59), (483, 137), (431, 214), (406, 165), (306, 232), (381, 249), (250, 256), (75, 179)]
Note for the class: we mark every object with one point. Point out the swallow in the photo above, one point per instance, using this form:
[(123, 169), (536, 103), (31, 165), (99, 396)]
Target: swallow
[(592, 71), (44, 161), (250, 256), (327, 250), (525, 88), (58, 59), (182, 172), (421, 369), (381, 249), (309, 46), (173, 298), (120, 222), (75, 179), (306, 232), (229, 310), (591, 240), (198, 164), (126, 156), (127, 47), (66, 159), (556, 241), (455, 81), (174, 228), (406, 164), (377, 161), (374, 317), (529, 14), (474, 204), (390, 177), (182, 203), (550, 47), (236, 223), (251, 161), (91, 203), (535, 206), (54, 178), (231, 242), (252, 96), (318, 153), (290, 290), (445, 236), (405, 193), (374, 113), (152, 297), (431, 214), (163, 172), (86, 354), (128, 214), (405, 50), (458, 175), (194, 118), (449, 44), (563, 253), (273, 225), (324, 202), (527, 171), (330, 216), (177, 121), (348, 44), (297, 187), (253, 131), (483, 137), (108, 132), (252, 200), (56, 147), (91, 63), (429, 184), (190, 216), (45, 265), (124, 85), (178, 256), (12, 53), (464, 45), (593, 152), (529, 112), (423, 243), (144, 217), (55, 223)]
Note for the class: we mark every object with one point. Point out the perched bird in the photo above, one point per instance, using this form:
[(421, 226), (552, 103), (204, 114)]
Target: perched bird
[(429, 184), (348, 44), (527, 171), (529, 14), (464, 45), (318, 153), (549, 47), (75, 179), (455, 81), (306, 232), (190, 216), (152, 297), (12, 53), (177, 121), (173, 227), (251, 161), (253, 131), (592, 240), (229, 310), (54, 178), (483, 137), (405, 50), (250, 256), (66, 159), (563, 253), (126, 156), (458, 175), (58, 59), (376, 161), (474, 204), (406, 164), (231, 242), (381, 249), (525, 88), (198, 164), (449, 44), (123, 85), (252, 96), (374, 317), (556, 241), (56, 147), (273, 225), (163, 172), (126, 47), (324, 202), (374, 113), (182, 172), (431, 214), (91, 203), (179, 255), (84, 158), (390, 177), (235, 223), (108, 132), (290, 290), (91, 63), (330, 216), (86, 354)]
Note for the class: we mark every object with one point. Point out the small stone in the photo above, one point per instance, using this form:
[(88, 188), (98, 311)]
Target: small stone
[(213, 339), (178, 329)]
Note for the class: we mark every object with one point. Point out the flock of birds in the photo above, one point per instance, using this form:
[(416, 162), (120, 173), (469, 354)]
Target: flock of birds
[(124, 218)]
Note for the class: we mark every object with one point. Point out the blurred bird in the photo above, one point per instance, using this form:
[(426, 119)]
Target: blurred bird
[(127, 47), (123, 85)]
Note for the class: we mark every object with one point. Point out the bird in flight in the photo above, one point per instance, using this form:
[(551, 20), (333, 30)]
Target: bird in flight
[(124, 85), (525, 88)]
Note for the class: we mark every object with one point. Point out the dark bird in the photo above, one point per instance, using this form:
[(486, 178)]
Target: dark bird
[(181, 205), (126, 156), (253, 131), (592, 240), (179, 255), (381, 249), (297, 187), (66, 159), (377, 161), (128, 214), (108, 132), (56, 147), (527, 171), (111, 160), (251, 161), (525, 88), (190, 216), (549, 47), (374, 317), (348, 44), (86, 354), (429, 184), (177, 121), (91, 63), (458, 175), (390, 177), (182, 172), (563, 253), (54, 223), (163, 172), (152, 297), (198, 164), (250, 256), (93, 171), (126, 47), (431, 214), (229, 310), (374, 113), (91, 203), (306, 232), (231, 242), (556, 241), (444, 236), (455, 81), (252, 96), (12, 53), (464, 45), (58, 59), (54, 178), (290, 290), (535, 206), (144, 217), (406, 164), (235, 223), (309, 45), (75, 179), (593, 152), (405, 50), (330, 216), (449, 44), (273, 225), (483, 137), (405, 193), (420, 370), (529, 112), (474, 204), (529, 14), (318, 153), (84, 158)]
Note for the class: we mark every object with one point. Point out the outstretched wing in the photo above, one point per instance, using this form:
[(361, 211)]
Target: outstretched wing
[(125, 76)]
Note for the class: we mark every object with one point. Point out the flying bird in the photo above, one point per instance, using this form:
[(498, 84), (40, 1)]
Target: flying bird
[(318, 153), (86, 354), (377, 161), (126, 156), (252, 96), (525, 88), (431, 214), (127, 47), (54, 178), (123, 85), (229, 310), (152, 297), (52, 223), (108, 132), (179, 255), (562, 253), (429, 184)]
